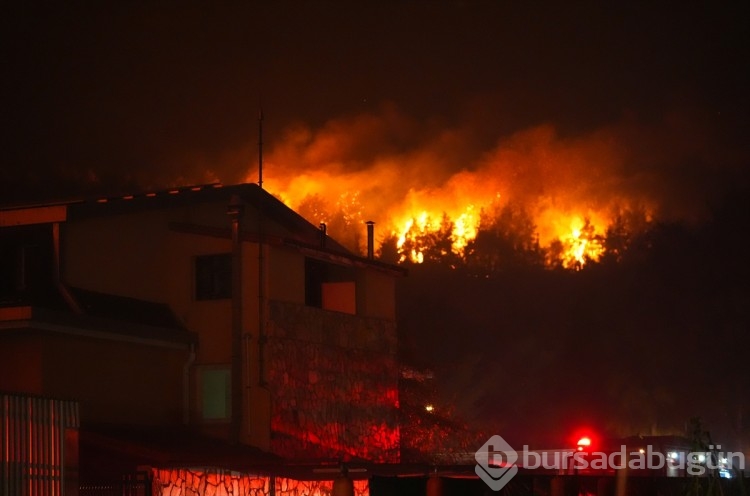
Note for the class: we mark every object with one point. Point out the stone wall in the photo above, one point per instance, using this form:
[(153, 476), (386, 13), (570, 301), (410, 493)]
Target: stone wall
[(215, 482), (334, 385)]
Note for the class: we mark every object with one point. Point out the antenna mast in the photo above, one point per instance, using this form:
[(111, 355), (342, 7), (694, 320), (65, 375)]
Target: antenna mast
[(260, 148)]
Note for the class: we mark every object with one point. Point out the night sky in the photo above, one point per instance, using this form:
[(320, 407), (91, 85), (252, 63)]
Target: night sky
[(121, 96), (151, 95)]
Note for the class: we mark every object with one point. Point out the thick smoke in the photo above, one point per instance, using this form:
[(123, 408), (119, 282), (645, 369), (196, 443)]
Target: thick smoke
[(389, 167)]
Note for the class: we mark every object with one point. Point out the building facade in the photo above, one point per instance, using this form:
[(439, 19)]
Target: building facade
[(216, 312)]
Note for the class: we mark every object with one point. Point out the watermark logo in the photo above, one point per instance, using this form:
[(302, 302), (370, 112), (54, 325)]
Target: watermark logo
[(496, 462)]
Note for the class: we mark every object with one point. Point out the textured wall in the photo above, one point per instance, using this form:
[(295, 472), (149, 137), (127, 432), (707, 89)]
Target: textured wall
[(334, 385), (209, 482)]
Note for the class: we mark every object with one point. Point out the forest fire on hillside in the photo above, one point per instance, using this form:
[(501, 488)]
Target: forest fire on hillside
[(567, 238), (437, 194)]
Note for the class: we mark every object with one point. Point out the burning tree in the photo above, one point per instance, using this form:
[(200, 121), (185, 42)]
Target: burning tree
[(501, 237), (428, 241)]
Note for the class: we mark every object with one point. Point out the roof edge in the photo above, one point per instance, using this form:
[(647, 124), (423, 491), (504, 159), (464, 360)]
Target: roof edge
[(27, 316)]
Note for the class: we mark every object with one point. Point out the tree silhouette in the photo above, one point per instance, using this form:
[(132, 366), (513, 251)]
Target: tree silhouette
[(388, 251), (506, 239), (622, 233)]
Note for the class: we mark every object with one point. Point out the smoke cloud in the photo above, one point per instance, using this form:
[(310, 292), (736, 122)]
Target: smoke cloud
[(389, 167)]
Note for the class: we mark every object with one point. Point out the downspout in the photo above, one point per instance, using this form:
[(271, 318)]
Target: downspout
[(234, 210), (186, 385), (261, 267), (262, 302), (260, 406), (57, 270)]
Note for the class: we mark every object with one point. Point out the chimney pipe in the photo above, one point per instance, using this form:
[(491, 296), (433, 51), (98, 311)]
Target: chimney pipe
[(370, 239), (323, 234)]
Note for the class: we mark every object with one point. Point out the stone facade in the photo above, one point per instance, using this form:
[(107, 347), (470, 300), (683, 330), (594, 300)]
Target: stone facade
[(214, 482), (334, 385)]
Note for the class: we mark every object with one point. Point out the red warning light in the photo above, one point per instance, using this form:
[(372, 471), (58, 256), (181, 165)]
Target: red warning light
[(584, 443)]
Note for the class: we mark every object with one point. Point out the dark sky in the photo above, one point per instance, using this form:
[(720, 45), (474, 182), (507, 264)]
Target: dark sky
[(150, 92), (113, 95)]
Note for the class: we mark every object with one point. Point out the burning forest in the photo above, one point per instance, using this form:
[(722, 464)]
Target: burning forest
[(531, 197), (539, 257)]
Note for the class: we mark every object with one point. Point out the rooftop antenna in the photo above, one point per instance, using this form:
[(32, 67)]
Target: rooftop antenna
[(260, 148), (261, 262)]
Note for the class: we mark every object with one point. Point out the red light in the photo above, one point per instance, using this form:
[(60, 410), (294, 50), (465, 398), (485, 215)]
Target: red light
[(583, 443)]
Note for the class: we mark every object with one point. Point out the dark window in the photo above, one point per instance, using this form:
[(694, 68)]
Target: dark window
[(213, 277), (315, 275), (330, 286), (26, 265)]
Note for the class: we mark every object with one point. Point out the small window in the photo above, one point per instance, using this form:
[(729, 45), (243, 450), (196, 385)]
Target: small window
[(26, 265), (315, 275), (215, 393), (330, 287), (213, 277)]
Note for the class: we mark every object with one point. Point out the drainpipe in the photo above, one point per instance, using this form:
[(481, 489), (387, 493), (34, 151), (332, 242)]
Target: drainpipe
[(57, 270), (186, 385), (262, 302), (234, 210)]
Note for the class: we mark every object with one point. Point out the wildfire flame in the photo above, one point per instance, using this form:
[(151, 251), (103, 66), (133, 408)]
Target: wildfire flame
[(582, 244), (563, 195), (577, 236)]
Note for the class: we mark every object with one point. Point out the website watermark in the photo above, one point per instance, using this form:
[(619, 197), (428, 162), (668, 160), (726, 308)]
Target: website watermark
[(498, 463)]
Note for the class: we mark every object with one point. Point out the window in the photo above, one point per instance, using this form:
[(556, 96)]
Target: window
[(315, 274), (330, 287), (213, 277), (26, 265), (214, 385)]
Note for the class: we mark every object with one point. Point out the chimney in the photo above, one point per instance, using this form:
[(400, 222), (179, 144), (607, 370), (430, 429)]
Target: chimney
[(323, 234), (370, 239)]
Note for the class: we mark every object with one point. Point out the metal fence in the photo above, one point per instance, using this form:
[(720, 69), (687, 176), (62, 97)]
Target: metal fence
[(35, 435)]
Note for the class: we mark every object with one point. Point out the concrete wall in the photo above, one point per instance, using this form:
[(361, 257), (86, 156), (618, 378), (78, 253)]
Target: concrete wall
[(115, 382), (376, 294), (21, 362), (122, 255), (287, 275)]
